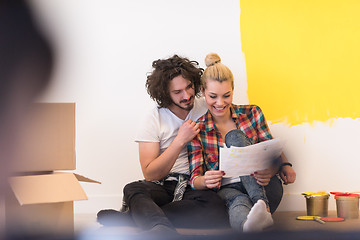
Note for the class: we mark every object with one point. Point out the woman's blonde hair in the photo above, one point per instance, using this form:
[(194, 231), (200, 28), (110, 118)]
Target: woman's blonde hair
[(215, 70)]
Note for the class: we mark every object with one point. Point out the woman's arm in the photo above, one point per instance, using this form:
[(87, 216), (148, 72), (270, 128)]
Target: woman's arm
[(196, 163), (263, 177), (199, 178), (286, 172)]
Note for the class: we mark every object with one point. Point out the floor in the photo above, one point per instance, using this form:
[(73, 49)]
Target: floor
[(287, 221), (283, 222)]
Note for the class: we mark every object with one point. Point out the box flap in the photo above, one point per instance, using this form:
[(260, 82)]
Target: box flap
[(85, 179), (48, 188)]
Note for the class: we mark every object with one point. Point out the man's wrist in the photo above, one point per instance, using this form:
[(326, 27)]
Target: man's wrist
[(179, 143)]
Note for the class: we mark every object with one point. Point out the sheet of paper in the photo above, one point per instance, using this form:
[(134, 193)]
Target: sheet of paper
[(241, 161)]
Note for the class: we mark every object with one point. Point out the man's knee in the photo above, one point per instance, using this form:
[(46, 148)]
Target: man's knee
[(133, 188)]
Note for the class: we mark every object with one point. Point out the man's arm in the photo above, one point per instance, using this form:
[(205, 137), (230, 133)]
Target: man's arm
[(156, 166)]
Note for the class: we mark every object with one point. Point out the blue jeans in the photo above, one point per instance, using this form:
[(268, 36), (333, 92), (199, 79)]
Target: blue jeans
[(241, 196)]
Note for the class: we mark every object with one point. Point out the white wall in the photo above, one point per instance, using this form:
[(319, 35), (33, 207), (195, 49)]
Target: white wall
[(105, 48), (325, 157)]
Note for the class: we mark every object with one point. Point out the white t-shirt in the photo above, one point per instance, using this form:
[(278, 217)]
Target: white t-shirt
[(161, 125)]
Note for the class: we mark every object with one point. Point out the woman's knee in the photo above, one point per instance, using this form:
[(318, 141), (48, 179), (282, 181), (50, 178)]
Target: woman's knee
[(274, 193)]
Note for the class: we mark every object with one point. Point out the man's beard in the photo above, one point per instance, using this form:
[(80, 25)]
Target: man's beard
[(188, 108)]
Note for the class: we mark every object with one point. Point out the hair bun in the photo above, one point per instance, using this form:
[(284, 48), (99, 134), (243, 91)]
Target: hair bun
[(211, 59)]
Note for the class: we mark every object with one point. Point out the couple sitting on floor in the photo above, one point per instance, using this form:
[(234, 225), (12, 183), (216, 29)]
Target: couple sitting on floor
[(179, 155)]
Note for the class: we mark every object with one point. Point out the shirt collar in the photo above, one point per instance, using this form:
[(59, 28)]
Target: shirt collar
[(234, 115), (209, 122), (237, 116)]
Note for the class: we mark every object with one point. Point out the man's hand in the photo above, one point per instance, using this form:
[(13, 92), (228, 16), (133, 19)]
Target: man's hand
[(187, 131), (287, 174), (156, 166)]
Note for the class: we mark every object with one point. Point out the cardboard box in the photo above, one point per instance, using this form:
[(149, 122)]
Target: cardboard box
[(43, 204), (47, 140), (41, 201)]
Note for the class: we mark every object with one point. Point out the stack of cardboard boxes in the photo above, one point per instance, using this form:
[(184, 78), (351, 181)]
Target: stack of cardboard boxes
[(41, 200)]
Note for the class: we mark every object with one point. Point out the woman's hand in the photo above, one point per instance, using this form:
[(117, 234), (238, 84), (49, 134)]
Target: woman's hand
[(212, 178), (263, 176), (287, 174)]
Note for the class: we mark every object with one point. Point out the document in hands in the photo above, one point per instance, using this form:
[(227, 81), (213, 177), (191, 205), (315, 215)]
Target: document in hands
[(241, 161)]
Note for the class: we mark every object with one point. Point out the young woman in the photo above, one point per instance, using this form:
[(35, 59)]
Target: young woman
[(238, 125)]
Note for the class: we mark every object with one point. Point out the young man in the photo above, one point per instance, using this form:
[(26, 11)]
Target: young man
[(165, 199)]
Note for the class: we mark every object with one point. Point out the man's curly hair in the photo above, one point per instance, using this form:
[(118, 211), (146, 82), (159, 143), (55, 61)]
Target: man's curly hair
[(164, 70)]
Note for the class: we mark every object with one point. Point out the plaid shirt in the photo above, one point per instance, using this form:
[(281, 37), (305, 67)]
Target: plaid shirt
[(203, 150)]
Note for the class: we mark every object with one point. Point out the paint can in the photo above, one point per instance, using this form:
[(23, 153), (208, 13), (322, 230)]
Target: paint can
[(317, 204), (347, 205)]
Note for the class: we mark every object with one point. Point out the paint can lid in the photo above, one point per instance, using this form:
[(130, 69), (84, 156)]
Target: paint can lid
[(315, 194), (332, 219), (344, 194)]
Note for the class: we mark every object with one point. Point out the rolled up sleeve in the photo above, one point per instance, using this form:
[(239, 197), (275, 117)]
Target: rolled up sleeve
[(196, 160)]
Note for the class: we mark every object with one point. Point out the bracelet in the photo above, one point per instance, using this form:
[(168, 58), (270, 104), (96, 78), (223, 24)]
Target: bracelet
[(285, 164)]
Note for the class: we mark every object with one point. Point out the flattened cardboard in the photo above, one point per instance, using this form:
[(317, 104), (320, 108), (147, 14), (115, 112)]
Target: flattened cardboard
[(47, 141)]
